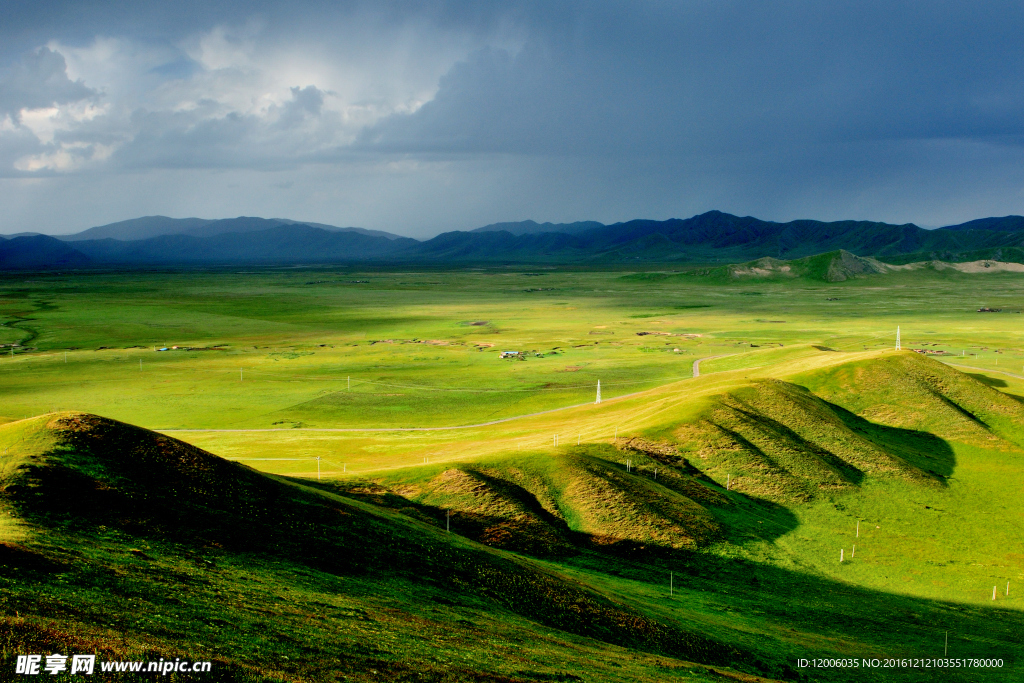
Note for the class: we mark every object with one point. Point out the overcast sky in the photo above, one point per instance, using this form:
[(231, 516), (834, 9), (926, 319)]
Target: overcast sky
[(421, 117)]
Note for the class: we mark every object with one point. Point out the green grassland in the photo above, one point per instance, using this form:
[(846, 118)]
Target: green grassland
[(282, 351), (481, 548)]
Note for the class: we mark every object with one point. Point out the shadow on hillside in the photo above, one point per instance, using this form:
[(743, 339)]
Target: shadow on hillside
[(782, 434), (778, 614), (727, 593), (539, 533), (920, 449), (987, 381)]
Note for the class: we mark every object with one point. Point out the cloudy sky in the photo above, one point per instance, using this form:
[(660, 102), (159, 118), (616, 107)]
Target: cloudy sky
[(420, 117)]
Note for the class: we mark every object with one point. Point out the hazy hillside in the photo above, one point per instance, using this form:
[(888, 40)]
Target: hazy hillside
[(1004, 224), (39, 251), (281, 243), (334, 228), (532, 227), (155, 226), (138, 228)]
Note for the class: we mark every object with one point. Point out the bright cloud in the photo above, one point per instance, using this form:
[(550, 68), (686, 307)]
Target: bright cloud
[(229, 96)]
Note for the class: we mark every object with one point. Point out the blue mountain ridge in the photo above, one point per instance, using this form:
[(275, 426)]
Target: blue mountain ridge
[(712, 237)]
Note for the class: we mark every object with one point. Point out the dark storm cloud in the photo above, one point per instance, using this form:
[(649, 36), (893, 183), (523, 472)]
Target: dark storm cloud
[(556, 110), (29, 24), (37, 81), (729, 77)]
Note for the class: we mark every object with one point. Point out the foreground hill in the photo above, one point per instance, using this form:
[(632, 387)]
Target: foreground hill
[(111, 520), (693, 548)]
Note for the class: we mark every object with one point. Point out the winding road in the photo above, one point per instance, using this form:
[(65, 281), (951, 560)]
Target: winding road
[(696, 364)]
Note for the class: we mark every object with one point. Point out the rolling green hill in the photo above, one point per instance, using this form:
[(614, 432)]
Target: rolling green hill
[(833, 266), (545, 565), (135, 537)]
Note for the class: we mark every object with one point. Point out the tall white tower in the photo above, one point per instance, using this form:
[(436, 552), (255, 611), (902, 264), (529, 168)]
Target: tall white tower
[(598, 392), (898, 347)]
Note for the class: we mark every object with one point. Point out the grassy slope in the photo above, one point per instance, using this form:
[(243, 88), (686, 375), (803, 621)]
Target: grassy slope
[(895, 420), (924, 456), (130, 540), (133, 505)]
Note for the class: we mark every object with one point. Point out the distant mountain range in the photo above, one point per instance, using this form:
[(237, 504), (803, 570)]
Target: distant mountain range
[(279, 244), (710, 238), (156, 226)]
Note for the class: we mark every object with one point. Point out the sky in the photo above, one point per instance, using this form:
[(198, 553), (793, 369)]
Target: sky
[(423, 117)]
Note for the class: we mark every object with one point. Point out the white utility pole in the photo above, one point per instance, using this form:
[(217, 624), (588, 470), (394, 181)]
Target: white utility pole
[(598, 392)]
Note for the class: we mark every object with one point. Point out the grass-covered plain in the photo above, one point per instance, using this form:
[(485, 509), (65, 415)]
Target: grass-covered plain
[(744, 483), (284, 343)]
